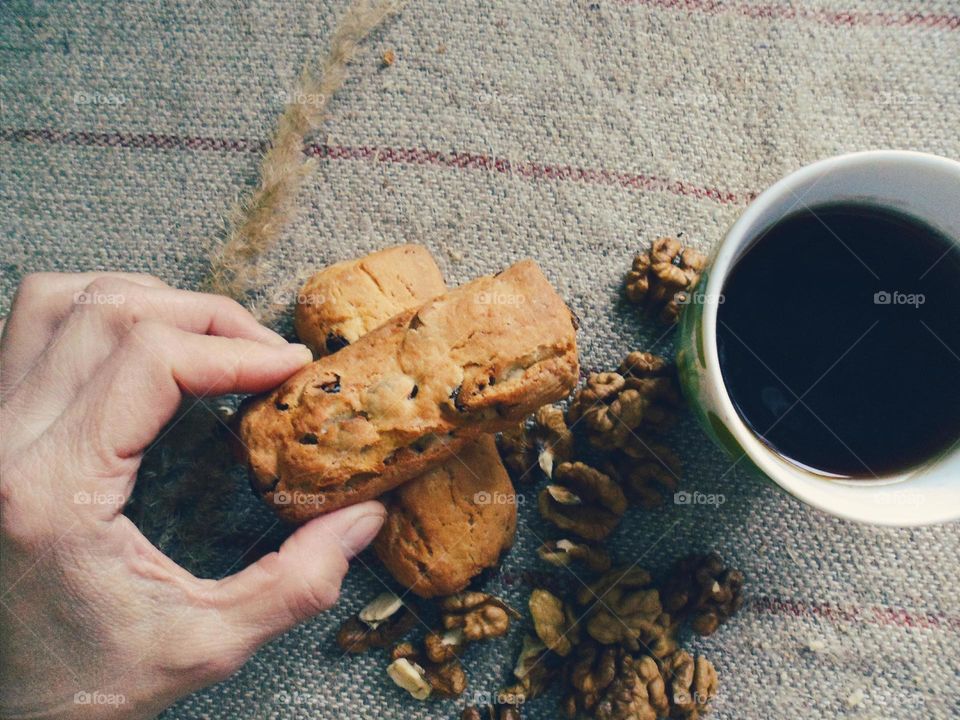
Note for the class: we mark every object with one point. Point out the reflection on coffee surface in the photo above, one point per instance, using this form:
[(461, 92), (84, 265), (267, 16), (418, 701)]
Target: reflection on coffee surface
[(839, 340)]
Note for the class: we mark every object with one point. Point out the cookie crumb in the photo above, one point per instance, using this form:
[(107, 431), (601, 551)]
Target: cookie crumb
[(856, 698)]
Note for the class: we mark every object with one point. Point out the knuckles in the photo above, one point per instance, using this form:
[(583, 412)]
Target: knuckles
[(34, 286), (22, 523)]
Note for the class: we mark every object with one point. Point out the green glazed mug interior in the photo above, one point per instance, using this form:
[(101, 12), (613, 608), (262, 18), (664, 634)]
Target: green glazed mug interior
[(924, 186)]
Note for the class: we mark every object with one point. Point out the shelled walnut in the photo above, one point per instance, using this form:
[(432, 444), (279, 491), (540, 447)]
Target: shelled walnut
[(444, 646), (626, 663), (617, 410), (563, 553), (534, 670), (624, 609), (478, 615), (636, 693), (609, 684), (500, 711), (413, 671), (662, 278), (553, 621), (543, 444), (380, 623), (582, 500), (647, 479), (705, 589), (592, 668), (692, 683)]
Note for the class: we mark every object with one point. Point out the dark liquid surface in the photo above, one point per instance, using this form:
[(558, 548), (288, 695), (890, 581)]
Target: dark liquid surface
[(831, 372)]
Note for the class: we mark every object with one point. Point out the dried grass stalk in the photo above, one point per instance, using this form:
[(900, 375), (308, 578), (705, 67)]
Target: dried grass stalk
[(187, 500), (254, 225)]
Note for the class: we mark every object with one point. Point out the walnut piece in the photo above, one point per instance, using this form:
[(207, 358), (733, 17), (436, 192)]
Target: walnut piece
[(646, 480), (663, 277), (563, 553), (589, 672), (411, 677), (625, 610), (445, 646), (534, 671), (692, 683), (381, 623), (552, 621), (380, 609), (518, 452), (636, 693), (582, 500), (555, 438), (619, 409), (705, 589), (500, 711), (595, 666), (544, 444), (607, 683), (479, 615), (414, 672)]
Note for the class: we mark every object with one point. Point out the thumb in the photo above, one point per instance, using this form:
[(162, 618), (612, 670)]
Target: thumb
[(300, 580)]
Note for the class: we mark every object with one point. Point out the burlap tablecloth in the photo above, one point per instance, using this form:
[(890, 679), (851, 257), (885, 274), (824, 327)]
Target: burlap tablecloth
[(571, 132)]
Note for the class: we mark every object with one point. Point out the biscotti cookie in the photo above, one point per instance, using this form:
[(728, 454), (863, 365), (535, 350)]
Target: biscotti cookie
[(357, 423), (347, 300), (450, 523), (454, 521)]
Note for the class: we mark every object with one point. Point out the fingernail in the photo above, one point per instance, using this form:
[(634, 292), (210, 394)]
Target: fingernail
[(301, 351), (269, 336), (357, 536)]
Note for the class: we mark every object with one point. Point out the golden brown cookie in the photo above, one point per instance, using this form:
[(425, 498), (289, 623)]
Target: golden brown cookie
[(347, 300), (454, 521), (450, 523), (409, 394)]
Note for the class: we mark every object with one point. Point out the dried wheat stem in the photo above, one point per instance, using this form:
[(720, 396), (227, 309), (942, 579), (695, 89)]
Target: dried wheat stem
[(255, 224)]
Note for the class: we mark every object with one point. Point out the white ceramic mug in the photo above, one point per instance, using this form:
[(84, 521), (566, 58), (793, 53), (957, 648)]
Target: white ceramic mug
[(926, 187)]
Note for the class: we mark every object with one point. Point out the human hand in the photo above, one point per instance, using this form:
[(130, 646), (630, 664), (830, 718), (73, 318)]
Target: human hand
[(96, 621)]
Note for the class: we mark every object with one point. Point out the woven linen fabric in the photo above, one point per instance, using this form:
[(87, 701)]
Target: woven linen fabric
[(570, 132)]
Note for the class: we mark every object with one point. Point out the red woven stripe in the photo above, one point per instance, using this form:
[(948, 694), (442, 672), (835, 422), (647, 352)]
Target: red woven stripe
[(876, 615), (841, 18), (527, 170), (402, 156)]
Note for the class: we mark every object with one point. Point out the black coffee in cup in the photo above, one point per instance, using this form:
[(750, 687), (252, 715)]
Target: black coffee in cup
[(839, 340)]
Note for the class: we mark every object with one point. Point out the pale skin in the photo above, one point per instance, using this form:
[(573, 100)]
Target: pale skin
[(95, 622)]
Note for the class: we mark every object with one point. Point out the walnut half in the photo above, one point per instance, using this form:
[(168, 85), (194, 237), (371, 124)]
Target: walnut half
[(582, 500)]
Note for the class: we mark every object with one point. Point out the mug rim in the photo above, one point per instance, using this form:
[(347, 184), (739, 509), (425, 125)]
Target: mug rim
[(875, 500)]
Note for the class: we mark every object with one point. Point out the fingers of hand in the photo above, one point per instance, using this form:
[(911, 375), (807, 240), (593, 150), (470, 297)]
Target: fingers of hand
[(302, 579), (138, 389), (41, 303), (94, 328)]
